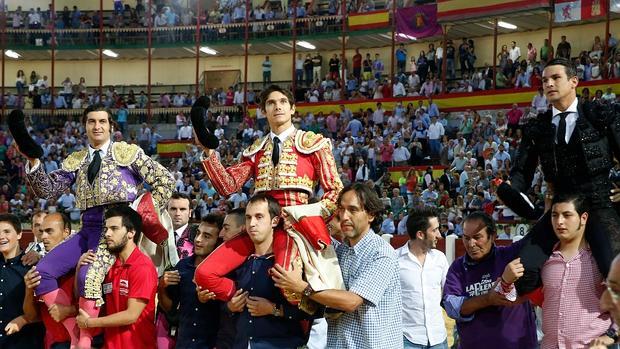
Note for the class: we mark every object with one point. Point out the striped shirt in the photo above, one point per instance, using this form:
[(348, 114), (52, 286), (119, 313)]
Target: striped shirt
[(571, 311), (369, 269)]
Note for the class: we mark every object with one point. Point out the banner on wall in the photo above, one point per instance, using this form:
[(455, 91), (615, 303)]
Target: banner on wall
[(417, 22), (579, 10), (459, 10), (369, 20), (615, 6)]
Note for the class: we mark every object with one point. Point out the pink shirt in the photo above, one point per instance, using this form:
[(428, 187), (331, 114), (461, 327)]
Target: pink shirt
[(571, 311), (332, 123)]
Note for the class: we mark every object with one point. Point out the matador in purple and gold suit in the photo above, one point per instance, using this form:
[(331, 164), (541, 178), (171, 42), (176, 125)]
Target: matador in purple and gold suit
[(124, 168)]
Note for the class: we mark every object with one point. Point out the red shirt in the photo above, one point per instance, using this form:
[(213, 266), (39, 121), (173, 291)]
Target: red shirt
[(55, 332), (136, 278), (357, 61)]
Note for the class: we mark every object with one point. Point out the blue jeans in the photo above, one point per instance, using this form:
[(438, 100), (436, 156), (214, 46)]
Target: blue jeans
[(409, 345)]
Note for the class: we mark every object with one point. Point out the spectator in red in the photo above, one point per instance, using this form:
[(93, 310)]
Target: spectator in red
[(386, 150), (230, 96), (514, 115), (357, 64), (129, 287)]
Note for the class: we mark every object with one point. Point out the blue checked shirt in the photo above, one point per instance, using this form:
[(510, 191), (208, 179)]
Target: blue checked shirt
[(370, 270)]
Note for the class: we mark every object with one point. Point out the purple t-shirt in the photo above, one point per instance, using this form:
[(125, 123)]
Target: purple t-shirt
[(491, 327)]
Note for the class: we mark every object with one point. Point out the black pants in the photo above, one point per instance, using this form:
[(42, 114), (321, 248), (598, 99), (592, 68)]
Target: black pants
[(602, 233)]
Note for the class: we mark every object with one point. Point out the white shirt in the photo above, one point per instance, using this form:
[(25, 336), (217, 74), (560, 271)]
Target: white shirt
[(282, 136), (540, 103), (422, 287), (401, 154), (571, 119), (104, 150), (185, 132), (435, 131), (514, 53), (179, 232)]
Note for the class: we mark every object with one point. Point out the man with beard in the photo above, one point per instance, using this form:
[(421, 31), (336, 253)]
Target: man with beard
[(198, 314), (423, 271), (129, 286)]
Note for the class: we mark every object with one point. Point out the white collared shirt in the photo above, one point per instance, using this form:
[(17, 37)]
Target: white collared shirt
[(571, 119), (104, 150), (282, 136), (179, 232), (422, 287)]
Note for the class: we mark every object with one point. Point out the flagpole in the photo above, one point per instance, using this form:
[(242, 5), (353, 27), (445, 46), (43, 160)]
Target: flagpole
[(494, 53), (343, 18), (550, 33), (444, 63), (606, 46), (393, 42)]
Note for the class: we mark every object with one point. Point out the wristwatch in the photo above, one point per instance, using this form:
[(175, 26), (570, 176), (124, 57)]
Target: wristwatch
[(613, 334), (276, 311), (308, 291)]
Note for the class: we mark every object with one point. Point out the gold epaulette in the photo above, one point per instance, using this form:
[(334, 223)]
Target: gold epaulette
[(74, 160), (255, 147), (124, 154), (307, 142)]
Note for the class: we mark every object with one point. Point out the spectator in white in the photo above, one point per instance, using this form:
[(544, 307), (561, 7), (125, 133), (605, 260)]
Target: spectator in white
[(401, 229), (238, 197), (266, 71), (435, 133), (378, 114), (144, 139), (423, 270), (430, 195), (398, 90), (458, 164), (362, 171), (50, 165), (238, 98), (413, 81), (502, 154), (514, 53), (219, 132), (178, 100), (464, 177), (186, 132), (223, 119), (387, 226), (401, 154), (539, 102), (66, 202), (609, 95)]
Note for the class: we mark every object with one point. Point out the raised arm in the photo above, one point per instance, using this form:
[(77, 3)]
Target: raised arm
[(227, 180)]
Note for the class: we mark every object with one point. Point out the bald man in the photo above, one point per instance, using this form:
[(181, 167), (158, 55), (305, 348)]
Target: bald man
[(54, 229)]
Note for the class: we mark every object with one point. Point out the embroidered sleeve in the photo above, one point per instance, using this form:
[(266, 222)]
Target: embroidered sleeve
[(227, 180), (325, 165), (49, 186), (156, 176)]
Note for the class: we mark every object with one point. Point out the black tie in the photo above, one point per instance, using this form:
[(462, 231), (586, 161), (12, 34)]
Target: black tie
[(363, 172), (275, 155), (94, 166), (561, 135)]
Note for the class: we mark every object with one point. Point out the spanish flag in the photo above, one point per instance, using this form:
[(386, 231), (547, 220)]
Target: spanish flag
[(172, 148), (369, 20)]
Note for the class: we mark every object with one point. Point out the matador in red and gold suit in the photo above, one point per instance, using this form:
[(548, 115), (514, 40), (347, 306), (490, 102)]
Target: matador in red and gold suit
[(305, 159)]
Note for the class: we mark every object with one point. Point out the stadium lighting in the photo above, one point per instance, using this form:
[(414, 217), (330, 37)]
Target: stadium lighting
[(12, 54), (306, 44), (408, 37), (506, 25), (110, 53), (208, 50)]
